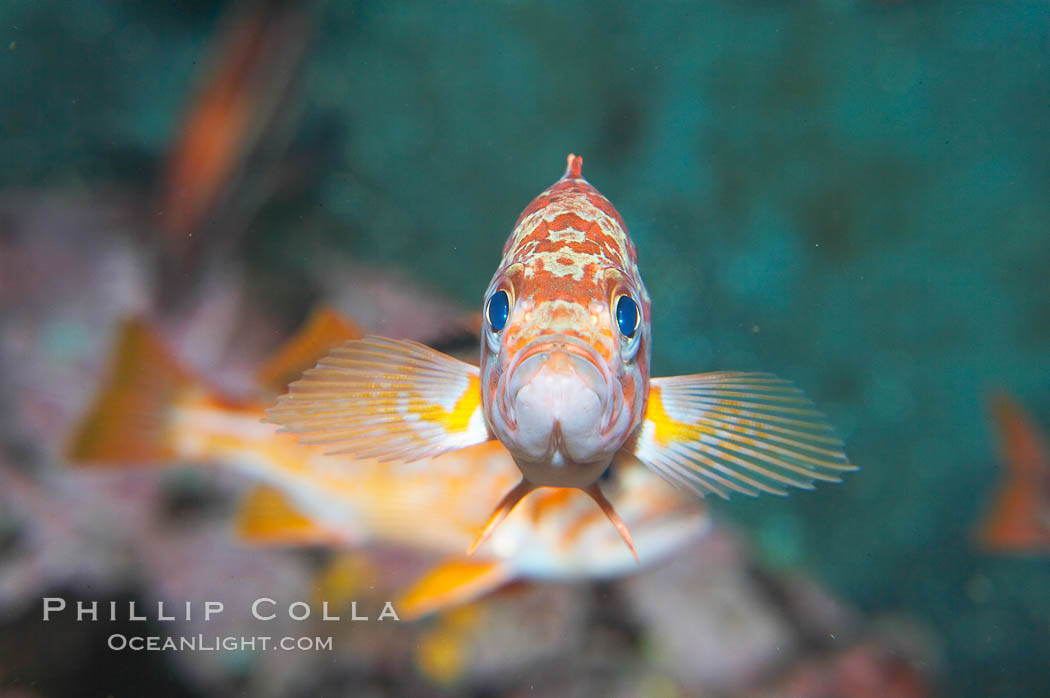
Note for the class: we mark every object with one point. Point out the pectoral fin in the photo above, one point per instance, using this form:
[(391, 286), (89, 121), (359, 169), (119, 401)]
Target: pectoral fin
[(742, 432), (386, 399), (452, 582)]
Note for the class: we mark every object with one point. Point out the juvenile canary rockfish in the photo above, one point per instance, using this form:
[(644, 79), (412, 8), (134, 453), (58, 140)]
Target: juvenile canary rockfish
[(564, 380)]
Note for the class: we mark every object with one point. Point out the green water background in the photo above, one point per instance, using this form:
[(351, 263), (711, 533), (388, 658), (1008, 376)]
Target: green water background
[(850, 194)]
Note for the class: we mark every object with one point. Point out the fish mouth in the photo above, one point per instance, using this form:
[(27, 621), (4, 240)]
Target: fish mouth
[(583, 368)]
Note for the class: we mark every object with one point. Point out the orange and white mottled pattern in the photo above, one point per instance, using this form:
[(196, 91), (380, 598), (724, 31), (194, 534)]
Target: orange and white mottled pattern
[(567, 261), (569, 255)]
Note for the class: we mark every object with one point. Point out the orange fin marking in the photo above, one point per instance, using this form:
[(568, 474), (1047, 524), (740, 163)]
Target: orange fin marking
[(502, 510), (1019, 516), (128, 420), (326, 329), (453, 582), (266, 516), (596, 494)]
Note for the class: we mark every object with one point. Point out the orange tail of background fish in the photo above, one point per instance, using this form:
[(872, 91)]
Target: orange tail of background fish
[(128, 421), (129, 418), (1019, 517)]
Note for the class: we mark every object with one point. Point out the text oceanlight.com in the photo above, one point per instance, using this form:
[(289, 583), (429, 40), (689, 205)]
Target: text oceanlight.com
[(216, 643)]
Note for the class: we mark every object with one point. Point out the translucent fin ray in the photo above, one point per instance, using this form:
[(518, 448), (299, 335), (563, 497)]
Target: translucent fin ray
[(326, 328), (736, 432), (384, 398)]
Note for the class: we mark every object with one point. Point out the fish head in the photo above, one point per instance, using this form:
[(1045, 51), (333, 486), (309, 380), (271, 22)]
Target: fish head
[(565, 342)]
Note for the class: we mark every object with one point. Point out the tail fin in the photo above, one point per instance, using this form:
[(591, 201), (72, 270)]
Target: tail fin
[(127, 423), (326, 329)]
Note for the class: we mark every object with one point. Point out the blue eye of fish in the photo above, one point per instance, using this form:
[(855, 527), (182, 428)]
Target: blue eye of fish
[(498, 310), (627, 316)]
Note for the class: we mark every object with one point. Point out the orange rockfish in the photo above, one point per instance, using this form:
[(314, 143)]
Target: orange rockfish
[(154, 410), (564, 380)]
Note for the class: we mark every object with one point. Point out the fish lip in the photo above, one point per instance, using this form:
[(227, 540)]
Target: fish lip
[(611, 401)]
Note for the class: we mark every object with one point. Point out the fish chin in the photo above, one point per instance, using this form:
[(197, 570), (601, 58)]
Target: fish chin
[(559, 405)]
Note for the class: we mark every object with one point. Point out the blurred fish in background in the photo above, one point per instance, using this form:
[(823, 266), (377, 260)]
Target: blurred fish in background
[(233, 141), (1017, 520), (153, 410)]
